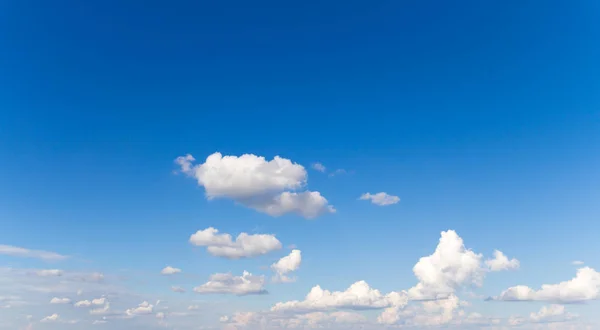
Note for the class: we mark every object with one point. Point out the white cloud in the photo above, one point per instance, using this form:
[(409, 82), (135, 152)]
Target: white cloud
[(50, 272), (15, 251), (170, 271), (99, 301), (577, 263), (584, 286), (105, 310), (358, 296), (244, 246), (226, 283), (550, 313), (177, 289), (83, 303), (381, 198), (51, 318), (193, 308), (266, 186), (448, 268), (287, 264), (319, 167), (501, 262), (57, 300), (142, 309)]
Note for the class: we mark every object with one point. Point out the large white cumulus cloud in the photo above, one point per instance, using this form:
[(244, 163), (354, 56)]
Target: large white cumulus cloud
[(266, 186)]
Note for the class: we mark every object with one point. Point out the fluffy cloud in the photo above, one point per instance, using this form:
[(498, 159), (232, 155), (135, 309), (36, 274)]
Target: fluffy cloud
[(142, 309), (381, 198), (170, 271), (584, 286), (87, 303), (266, 186), (552, 313), (287, 264), (449, 267), (358, 296), (319, 167), (27, 253), (51, 318), (57, 300), (226, 283), (244, 246), (501, 262)]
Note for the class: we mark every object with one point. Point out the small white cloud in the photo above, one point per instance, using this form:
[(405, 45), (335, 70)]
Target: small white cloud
[(381, 198), (578, 263), (266, 186), (286, 265), (15, 251), (193, 308), (177, 289), (83, 303), (319, 167), (49, 272), (99, 301), (501, 262), (142, 309), (226, 283), (244, 246), (170, 271), (51, 318), (552, 313), (57, 300), (102, 311), (584, 286), (358, 296)]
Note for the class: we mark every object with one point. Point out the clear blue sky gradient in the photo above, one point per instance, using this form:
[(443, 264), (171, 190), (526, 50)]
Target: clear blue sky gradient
[(483, 116)]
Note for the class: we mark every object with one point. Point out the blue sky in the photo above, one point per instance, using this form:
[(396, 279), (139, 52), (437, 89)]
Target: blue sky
[(482, 117)]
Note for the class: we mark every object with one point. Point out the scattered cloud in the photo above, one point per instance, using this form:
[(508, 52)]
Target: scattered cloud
[(501, 262), (381, 198), (15, 251), (177, 289), (50, 272), (358, 296), (57, 300), (266, 186), (142, 309), (286, 265), (170, 271), (51, 318), (578, 263), (319, 167), (552, 313), (244, 246), (226, 283), (584, 286)]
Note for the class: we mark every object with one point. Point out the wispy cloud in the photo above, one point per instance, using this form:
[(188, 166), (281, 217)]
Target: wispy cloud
[(16, 251)]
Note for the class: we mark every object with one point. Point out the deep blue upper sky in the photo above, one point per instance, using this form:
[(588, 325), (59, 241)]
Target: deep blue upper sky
[(483, 116)]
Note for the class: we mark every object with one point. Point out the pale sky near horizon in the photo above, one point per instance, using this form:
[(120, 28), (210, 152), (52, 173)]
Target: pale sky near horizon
[(269, 165)]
